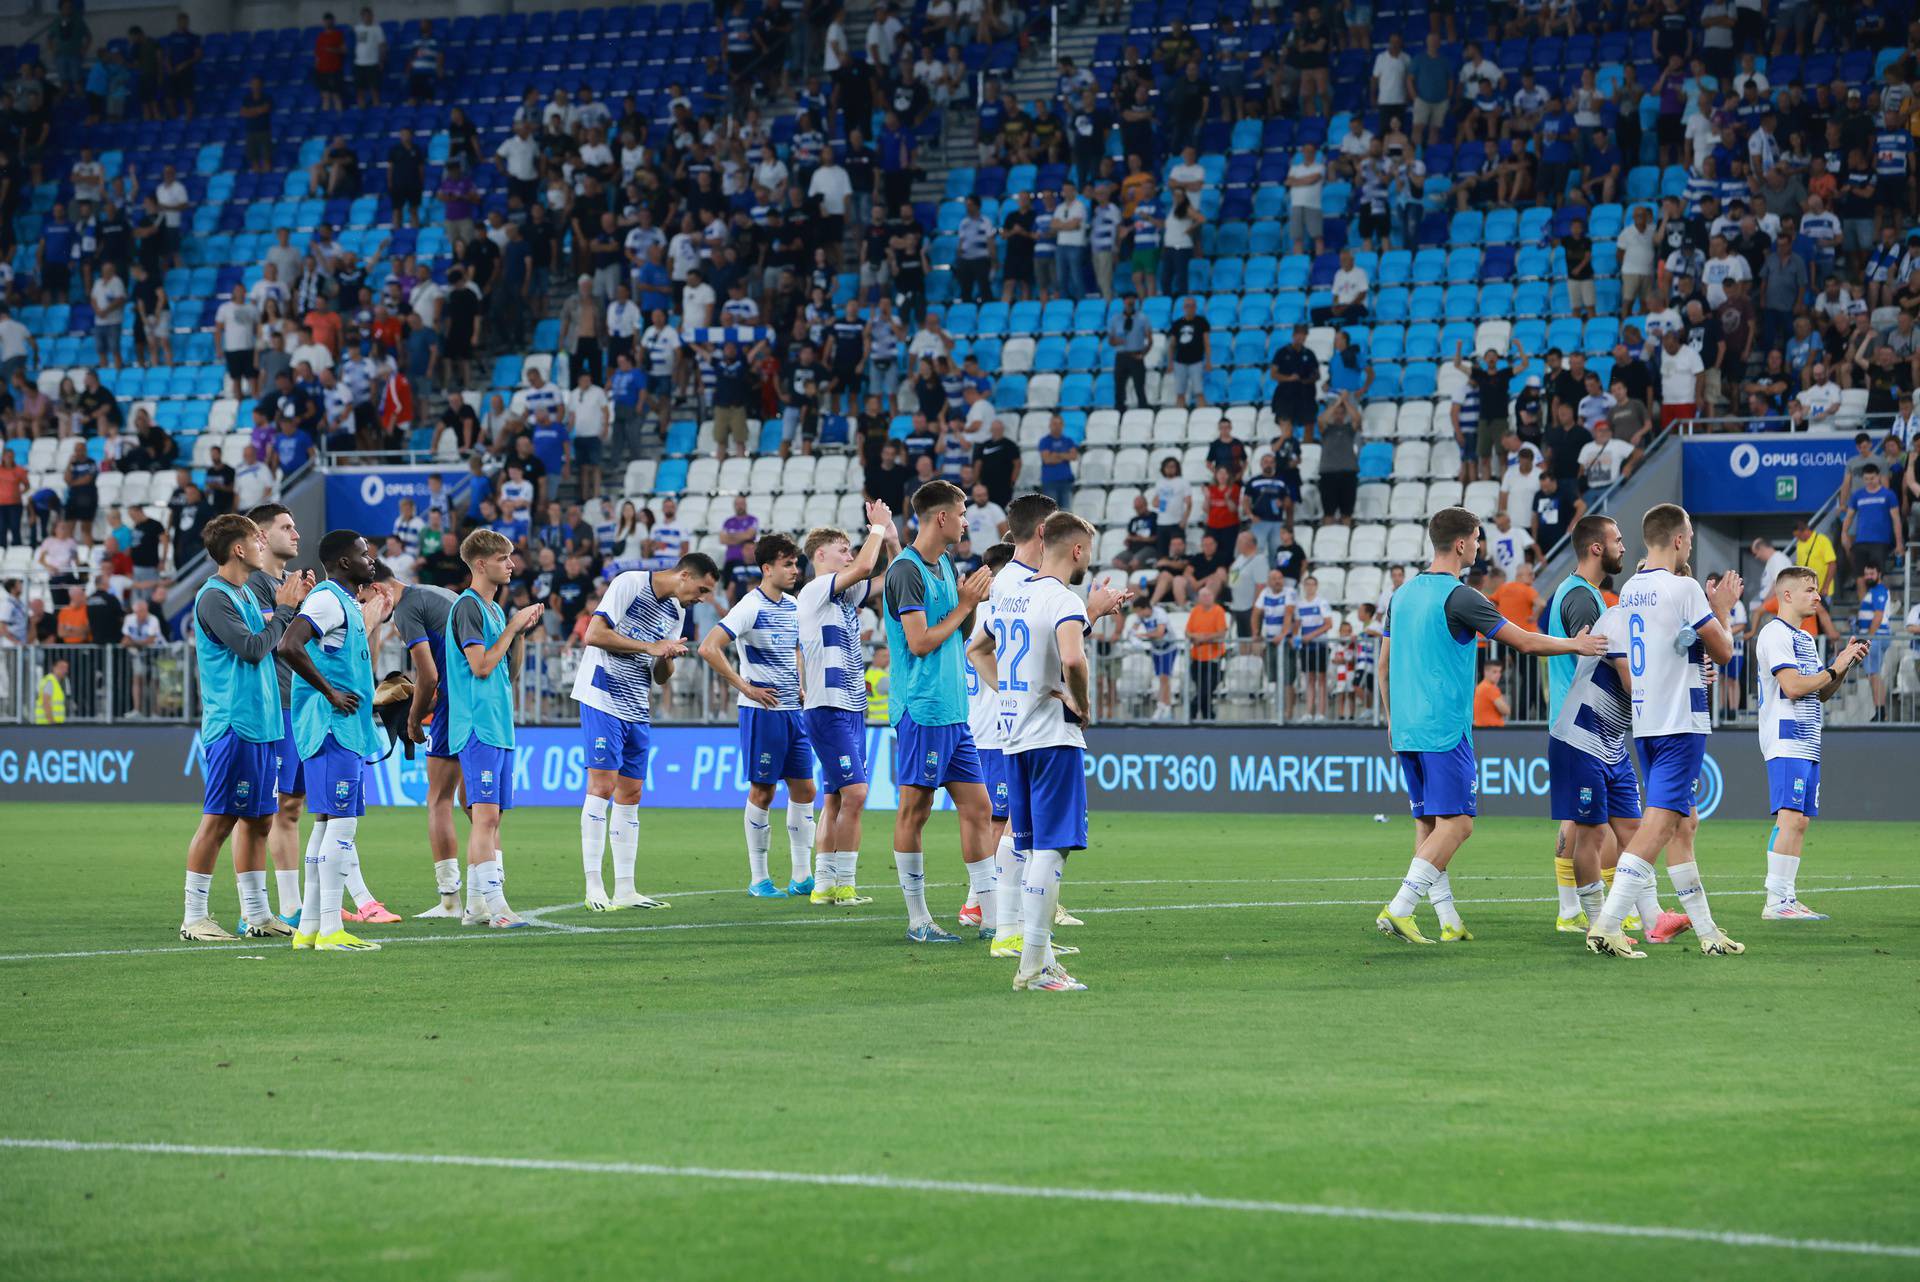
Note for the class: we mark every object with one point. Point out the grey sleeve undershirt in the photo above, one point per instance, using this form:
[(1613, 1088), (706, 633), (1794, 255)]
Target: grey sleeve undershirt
[(218, 617), (1468, 611)]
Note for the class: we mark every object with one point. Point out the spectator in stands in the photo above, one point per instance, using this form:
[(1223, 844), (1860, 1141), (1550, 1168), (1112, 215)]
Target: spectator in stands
[(1682, 380), (329, 64), (1223, 501), (13, 499), (1058, 455), (1490, 707), (1269, 501), (1189, 354), (1208, 630), (237, 320), (1871, 529), (1339, 430), (589, 420), (1129, 334), (182, 56), (1296, 374), (1605, 462), (425, 65)]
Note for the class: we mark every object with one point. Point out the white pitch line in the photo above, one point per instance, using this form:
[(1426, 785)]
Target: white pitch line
[(549, 930), (979, 1188)]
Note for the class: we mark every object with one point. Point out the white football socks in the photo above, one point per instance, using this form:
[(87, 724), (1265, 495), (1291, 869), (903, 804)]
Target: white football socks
[(1693, 898), (1649, 905), (1039, 897), (593, 842), (800, 825), (333, 871), (1633, 880), (1782, 872), (844, 865), (476, 893), (253, 895), (1413, 888), (980, 885), (1010, 871), (626, 846), (1591, 898), (198, 885), (1440, 895), (487, 877), (826, 869), (319, 855), (287, 883), (759, 836), (446, 876), (1570, 901), (913, 885), (354, 881)]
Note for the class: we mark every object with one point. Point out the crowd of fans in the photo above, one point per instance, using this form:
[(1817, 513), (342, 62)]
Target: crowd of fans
[(702, 256)]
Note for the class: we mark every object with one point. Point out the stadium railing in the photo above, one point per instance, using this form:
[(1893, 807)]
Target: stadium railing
[(98, 684)]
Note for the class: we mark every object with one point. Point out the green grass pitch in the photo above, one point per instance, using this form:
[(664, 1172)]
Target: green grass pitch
[(1247, 1037)]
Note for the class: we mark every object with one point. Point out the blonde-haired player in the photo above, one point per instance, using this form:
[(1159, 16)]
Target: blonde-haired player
[(834, 691)]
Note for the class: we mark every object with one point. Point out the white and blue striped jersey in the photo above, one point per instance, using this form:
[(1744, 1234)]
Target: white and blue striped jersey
[(621, 684), (1788, 727), (1270, 608), (1596, 716), (835, 667), (1669, 680), (768, 632), (983, 704), (1311, 614), (1027, 649)]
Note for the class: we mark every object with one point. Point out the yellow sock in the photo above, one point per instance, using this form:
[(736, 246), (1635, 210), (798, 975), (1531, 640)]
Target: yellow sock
[(1563, 870), (1606, 875)]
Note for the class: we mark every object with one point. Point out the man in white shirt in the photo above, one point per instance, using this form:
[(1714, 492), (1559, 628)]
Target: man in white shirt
[(1635, 243), (1390, 74), (171, 196), (986, 520), (253, 482), (1070, 243), (1509, 546), (519, 155), (1350, 288), (1354, 146), (931, 339), (623, 321), (1820, 397), (109, 299), (369, 60), (980, 414), (1306, 180), (237, 319), (1772, 560), (1604, 461), (1721, 267), (315, 355), (1682, 379), (1188, 176), (696, 302), (831, 186), (883, 36), (660, 356), (1475, 67), (589, 415)]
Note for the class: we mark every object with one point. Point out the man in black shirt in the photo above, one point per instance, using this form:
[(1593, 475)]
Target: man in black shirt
[(105, 615), (1297, 372), (1555, 509), (887, 482), (189, 519), (1564, 439), (996, 463), (1191, 353), (148, 536), (1223, 450), (219, 486)]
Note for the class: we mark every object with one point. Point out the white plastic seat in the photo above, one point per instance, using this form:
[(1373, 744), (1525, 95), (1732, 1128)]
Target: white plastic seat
[(1370, 503), (1043, 391), (1016, 356), (1136, 427), (1193, 466), (734, 475), (1103, 427), (1330, 545), (1416, 419), (703, 475), (1363, 585), (1333, 586), (1130, 466), (640, 474), (1381, 421), (1368, 544), (223, 414), (1408, 501), (1096, 467), (789, 512), (1492, 336), (765, 473), (1406, 544), (1444, 461), (797, 476), (1482, 499), (1411, 460), (1444, 492), (832, 474)]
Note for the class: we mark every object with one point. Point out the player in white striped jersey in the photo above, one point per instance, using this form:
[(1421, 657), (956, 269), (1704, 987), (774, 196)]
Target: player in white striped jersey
[(773, 735), (1033, 651), (1672, 629), (631, 643), (834, 672), (1025, 516), (1794, 686)]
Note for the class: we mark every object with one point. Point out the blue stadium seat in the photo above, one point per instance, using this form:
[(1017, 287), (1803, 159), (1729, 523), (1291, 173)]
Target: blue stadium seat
[(1422, 341), (1418, 379), (1376, 461)]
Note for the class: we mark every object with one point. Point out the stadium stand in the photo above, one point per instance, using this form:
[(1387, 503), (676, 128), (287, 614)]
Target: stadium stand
[(1328, 270)]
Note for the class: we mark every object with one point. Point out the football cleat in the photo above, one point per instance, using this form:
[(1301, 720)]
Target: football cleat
[(765, 889), (969, 914), (1399, 927), (205, 930), (800, 888), (1718, 945), (374, 913), (848, 897), (268, 928), (930, 934), (1051, 980), (1006, 946), (475, 915), (1061, 917), (449, 906), (1455, 934), (1669, 927), (987, 932), (1062, 950), (634, 899), (1617, 944), (1790, 910), (1574, 925), (598, 902), (304, 939), (341, 942), (508, 920), (821, 894), (1630, 924)]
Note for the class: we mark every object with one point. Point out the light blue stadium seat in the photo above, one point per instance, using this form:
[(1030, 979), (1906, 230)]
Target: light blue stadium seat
[(1267, 236), (1422, 341), (1530, 334), (1057, 317), (1386, 381), (672, 476), (1417, 380), (1463, 266), (1050, 355), (1533, 262), (1502, 227), (1601, 333), (1389, 342), (1090, 316), (1024, 318), (1261, 273), (1250, 347), (1390, 304), (985, 349), (1396, 268), (1222, 311), (993, 318), (1010, 392), (1425, 303), (1269, 201), (1376, 461), (1231, 240), (1289, 309), (1457, 336), (1295, 271), (1429, 267), (1256, 311), (1084, 353), (1229, 275), (1530, 298), (964, 318), (1246, 387), (1217, 386), (1534, 223), (1564, 333), (1466, 227), (1158, 311), (1643, 183), (1077, 393), (1496, 300)]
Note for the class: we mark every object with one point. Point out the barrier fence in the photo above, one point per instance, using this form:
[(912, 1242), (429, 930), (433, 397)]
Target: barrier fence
[(1240, 682)]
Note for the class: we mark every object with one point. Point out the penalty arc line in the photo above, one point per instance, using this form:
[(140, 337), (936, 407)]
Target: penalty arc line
[(972, 1188), (549, 930)]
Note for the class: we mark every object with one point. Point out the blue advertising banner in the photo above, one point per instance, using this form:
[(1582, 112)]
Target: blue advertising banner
[(1230, 770), (369, 498), (1762, 475)]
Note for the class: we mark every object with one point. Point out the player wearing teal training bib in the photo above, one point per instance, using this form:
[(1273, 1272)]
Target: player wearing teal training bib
[(925, 606), (484, 653), (239, 727), (1428, 664)]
